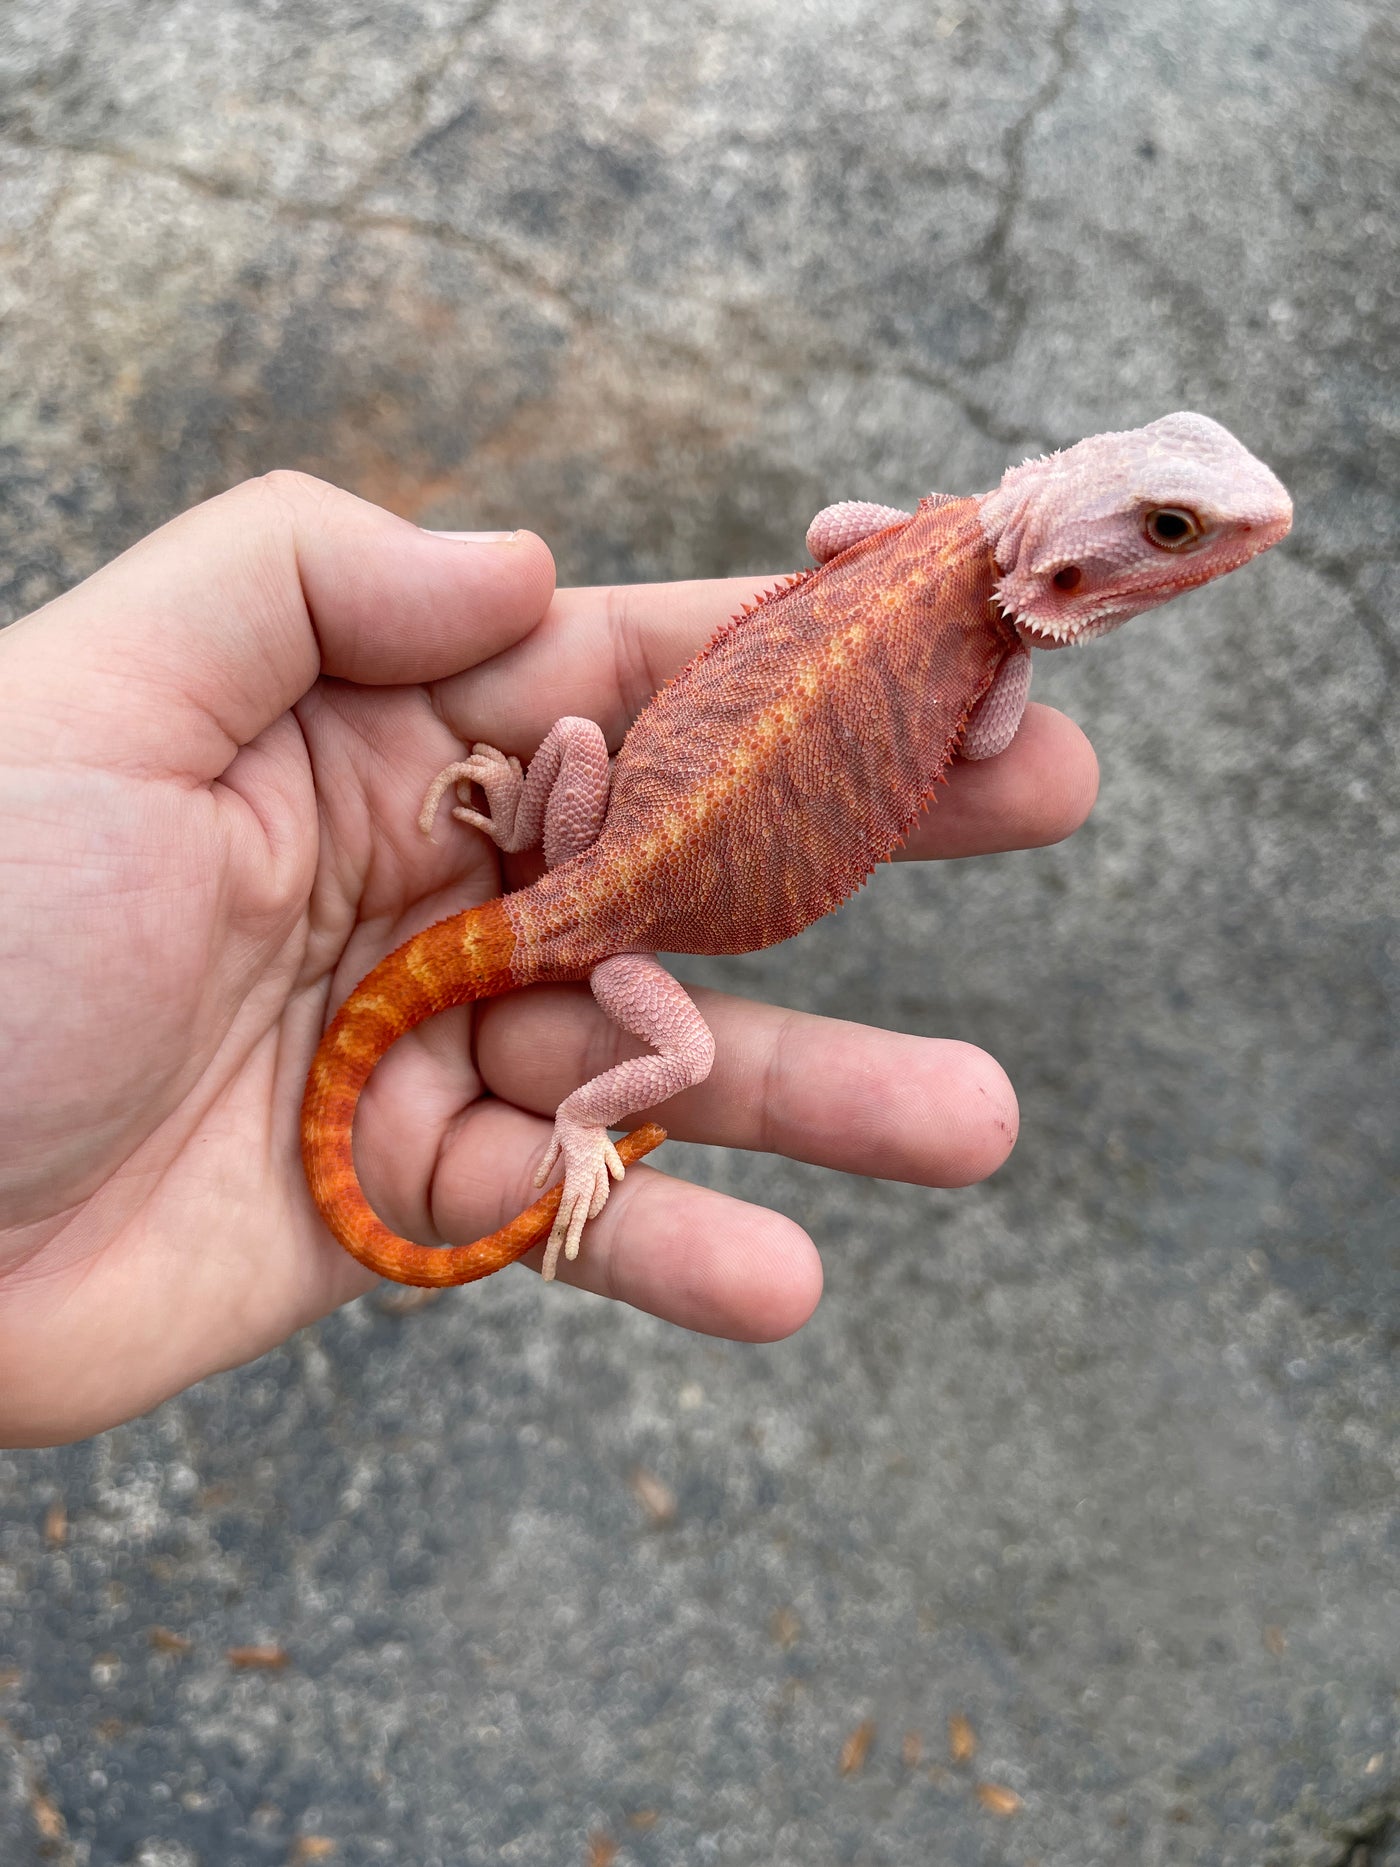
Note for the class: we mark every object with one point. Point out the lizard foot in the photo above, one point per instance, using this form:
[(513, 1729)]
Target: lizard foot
[(501, 778), (591, 1163)]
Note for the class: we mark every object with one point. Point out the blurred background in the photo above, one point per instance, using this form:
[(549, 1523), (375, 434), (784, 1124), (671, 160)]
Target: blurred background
[(1097, 1462)]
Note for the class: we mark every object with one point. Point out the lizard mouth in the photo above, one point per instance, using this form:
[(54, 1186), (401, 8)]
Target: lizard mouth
[(1097, 614)]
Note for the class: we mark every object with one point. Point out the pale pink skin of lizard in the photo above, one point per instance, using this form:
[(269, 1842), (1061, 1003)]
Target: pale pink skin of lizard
[(1075, 562)]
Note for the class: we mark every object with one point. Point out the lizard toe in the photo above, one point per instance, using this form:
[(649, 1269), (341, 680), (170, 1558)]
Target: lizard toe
[(591, 1164)]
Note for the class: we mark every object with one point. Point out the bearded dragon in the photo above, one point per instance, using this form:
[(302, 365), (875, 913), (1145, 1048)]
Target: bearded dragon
[(761, 786)]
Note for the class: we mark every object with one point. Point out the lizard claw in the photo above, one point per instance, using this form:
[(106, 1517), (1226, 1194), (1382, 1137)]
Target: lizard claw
[(500, 777), (591, 1164), (551, 1154)]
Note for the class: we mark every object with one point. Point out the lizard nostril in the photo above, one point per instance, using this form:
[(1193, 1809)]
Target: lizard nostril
[(1068, 579)]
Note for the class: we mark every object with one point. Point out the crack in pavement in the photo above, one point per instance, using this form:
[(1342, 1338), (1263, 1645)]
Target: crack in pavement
[(1372, 620), (517, 272), (1002, 278), (331, 213), (420, 135)]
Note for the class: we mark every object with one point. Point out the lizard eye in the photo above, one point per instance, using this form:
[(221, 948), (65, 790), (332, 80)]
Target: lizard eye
[(1068, 579), (1172, 528)]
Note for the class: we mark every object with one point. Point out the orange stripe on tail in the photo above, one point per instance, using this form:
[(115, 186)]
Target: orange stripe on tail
[(451, 963)]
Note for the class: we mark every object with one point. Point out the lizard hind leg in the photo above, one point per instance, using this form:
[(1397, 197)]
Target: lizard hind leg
[(501, 778), (559, 802), (638, 994)]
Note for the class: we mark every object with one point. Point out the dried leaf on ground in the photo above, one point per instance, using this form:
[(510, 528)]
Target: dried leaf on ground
[(785, 1627), (48, 1817), (656, 1497), (166, 1640), (998, 1799), (268, 1659), (962, 1739), (856, 1748)]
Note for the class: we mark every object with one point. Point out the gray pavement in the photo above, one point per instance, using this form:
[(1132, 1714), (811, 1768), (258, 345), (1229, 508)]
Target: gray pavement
[(1101, 1457)]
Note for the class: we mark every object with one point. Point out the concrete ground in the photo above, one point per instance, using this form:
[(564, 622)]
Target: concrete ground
[(1100, 1457)]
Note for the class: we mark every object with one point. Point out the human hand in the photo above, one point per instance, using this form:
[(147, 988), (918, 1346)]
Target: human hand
[(212, 755)]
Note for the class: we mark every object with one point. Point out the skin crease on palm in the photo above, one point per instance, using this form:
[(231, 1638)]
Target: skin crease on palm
[(212, 755)]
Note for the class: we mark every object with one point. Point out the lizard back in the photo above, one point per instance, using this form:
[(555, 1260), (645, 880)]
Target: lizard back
[(764, 783)]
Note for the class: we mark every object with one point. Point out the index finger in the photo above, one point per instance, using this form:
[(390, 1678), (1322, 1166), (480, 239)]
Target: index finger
[(600, 652)]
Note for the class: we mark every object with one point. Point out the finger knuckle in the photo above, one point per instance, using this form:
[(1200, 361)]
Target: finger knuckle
[(287, 489)]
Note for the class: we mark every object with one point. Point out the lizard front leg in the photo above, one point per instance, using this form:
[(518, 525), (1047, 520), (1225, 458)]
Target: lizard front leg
[(839, 526), (636, 992), (993, 721)]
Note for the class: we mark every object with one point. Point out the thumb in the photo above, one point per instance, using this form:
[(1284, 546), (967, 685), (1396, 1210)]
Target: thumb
[(197, 638)]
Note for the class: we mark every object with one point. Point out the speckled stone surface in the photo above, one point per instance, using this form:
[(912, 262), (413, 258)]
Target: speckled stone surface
[(1101, 1457)]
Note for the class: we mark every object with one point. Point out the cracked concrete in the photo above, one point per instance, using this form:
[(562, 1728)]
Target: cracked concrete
[(1101, 1456), (1007, 281)]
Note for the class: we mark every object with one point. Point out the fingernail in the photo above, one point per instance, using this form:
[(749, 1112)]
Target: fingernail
[(474, 538)]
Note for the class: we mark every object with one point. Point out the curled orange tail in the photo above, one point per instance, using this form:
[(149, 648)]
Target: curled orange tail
[(457, 960)]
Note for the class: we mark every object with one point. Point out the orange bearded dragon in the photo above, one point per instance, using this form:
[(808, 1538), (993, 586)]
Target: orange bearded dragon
[(760, 788)]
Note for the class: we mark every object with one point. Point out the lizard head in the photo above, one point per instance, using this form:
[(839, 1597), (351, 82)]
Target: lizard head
[(1086, 538)]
